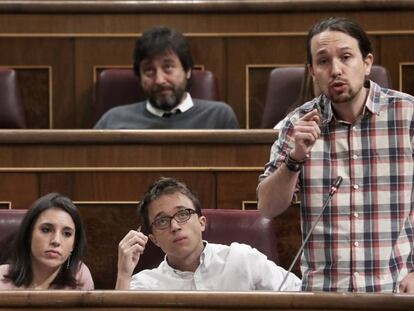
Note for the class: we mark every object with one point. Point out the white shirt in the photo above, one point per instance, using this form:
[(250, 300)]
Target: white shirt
[(237, 267), (186, 104)]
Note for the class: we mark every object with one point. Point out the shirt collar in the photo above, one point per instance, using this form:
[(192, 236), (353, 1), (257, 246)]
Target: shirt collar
[(205, 257), (186, 104), (375, 98)]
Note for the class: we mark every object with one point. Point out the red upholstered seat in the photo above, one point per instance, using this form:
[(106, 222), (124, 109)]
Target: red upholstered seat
[(284, 86), (10, 220), (115, 87), (12, 113)]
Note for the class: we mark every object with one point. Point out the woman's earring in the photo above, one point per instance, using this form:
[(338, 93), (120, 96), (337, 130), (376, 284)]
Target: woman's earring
[(68, 262)]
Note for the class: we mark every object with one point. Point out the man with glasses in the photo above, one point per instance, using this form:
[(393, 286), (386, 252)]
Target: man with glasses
[(171, 214)]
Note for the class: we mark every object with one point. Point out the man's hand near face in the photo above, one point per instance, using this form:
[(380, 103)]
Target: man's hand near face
[(129, 251), (306, 132)]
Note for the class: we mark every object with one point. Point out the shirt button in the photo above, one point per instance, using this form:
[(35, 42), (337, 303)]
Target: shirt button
[(355, 157), (356, 244), (356, 187), (356, 215), (356, 273)]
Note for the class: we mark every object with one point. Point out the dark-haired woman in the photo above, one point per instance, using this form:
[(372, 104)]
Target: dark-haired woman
[(48, 249)]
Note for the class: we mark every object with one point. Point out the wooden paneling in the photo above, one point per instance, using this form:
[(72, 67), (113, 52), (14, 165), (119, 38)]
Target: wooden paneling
[(200, 300), (21, 189), (36, 93), (5, 205), (257, 51), (289, 235), (211, 53), (37, 55), (221, 166), (235, 188), (124, 186), (146, 149), (106, 224), (406, 82), (395, 57)]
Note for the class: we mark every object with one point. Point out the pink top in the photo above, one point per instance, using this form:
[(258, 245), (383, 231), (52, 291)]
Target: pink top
[(83, 277)]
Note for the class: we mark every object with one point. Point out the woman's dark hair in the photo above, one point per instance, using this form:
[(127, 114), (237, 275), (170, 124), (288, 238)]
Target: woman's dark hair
[(159, 40), (163, 186), (344, 25), (20, 271)]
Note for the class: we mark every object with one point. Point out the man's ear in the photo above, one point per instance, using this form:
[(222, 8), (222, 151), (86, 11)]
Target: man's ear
[(203, 222), (368, 61), (153, 239), (188, 73)]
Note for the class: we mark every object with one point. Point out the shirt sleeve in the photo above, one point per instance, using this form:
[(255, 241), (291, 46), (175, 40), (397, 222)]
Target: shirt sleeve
[(84, 278), (280, 149), (266, 275), (272, 277)]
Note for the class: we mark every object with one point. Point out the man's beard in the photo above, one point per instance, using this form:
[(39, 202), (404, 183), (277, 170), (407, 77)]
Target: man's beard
[(345, 97), (167, 102)]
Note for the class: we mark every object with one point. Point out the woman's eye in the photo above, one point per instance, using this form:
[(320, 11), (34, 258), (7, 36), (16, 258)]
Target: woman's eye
[(67, 234), (45, 230)]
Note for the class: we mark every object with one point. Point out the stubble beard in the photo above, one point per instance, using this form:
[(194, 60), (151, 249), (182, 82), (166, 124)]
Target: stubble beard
[(169, 101)]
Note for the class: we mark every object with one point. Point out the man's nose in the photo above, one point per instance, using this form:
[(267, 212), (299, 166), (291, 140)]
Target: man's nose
[(336, 67), (174, 225), (159, 77)]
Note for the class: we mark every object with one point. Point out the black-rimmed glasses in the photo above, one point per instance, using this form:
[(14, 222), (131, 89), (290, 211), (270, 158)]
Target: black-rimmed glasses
[(181, 216)]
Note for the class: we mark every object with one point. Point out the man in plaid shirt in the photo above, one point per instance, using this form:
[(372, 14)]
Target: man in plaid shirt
[(364, 133)]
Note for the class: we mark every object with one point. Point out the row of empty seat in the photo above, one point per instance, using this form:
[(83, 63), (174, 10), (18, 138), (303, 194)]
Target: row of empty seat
[(116, 87)]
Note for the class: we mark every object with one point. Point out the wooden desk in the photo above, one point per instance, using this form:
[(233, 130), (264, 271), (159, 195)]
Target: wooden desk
[(131, 300), (118, 166)]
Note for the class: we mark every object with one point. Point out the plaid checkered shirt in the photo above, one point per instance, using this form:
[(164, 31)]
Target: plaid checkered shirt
[(364, 240)]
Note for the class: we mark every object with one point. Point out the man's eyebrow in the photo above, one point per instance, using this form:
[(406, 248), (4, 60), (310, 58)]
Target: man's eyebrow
[(168, 61), (321, 51), (346, 48), (146, 62), (343, 48), (160, 214), (163, 214)]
